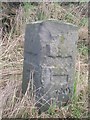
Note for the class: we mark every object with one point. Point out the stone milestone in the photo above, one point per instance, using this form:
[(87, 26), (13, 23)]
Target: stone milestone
[(50, 52)]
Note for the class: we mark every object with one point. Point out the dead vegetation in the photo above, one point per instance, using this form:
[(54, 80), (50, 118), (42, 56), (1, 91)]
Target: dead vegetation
[(12, 103)]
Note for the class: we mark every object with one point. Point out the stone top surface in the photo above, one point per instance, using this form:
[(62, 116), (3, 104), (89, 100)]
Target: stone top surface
[(73, 27)]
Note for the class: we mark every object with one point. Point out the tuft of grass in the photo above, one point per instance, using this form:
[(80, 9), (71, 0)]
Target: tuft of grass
[(81, 1), (83, 22), (76, 111), (83, 49), (75, 108), (41, 15), (27, 6), (69, 17), (52, 108)]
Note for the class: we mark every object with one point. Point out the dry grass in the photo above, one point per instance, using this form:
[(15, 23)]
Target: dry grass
[(12, 103)]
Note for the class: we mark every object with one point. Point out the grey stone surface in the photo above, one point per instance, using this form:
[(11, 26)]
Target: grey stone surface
[(49, 51)]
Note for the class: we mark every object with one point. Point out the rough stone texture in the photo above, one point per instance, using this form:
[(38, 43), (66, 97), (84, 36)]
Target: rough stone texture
[(49, 51)]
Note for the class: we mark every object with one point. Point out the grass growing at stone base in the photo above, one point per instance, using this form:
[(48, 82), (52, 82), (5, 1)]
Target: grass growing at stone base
[(75, 108)]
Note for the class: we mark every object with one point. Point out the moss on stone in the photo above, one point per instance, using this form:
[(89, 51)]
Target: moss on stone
[(62, 38)]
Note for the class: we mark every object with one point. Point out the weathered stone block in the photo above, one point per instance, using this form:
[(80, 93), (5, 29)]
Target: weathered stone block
[(49, 51)]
